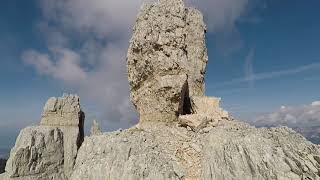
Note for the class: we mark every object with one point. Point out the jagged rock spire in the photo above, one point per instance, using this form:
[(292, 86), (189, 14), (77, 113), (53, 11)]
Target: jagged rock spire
[(95, 128)]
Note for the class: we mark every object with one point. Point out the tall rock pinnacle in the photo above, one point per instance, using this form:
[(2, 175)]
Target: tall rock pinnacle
[(166, 60)]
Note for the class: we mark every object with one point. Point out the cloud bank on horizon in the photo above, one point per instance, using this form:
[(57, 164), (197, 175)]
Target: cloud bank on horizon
[(294, 117), (87, 44)]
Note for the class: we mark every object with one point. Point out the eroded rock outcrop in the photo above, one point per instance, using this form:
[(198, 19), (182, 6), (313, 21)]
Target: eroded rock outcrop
[(38, 152), (166, 59), (49, 150), (65, 112)]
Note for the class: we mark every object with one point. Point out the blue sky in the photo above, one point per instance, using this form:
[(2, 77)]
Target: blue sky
[(263, 54)]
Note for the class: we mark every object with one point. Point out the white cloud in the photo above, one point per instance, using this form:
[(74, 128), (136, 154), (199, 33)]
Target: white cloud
[(304, 116), (316, 103), (88, 40), (65, 66), (221, 15)]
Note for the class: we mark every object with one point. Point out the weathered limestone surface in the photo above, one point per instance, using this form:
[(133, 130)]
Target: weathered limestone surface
[(65, 112), (168, 44), (204, 110), (236, 150), (49, 151), (38, 152), (229, 150), (62, 111)]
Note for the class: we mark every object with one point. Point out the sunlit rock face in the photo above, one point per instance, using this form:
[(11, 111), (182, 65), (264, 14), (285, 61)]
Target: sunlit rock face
[(65, 113), (49, 150), (166, 60), (38, 151)]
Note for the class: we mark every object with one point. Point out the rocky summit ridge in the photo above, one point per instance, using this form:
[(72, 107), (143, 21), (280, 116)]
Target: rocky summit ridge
[(182, 134)]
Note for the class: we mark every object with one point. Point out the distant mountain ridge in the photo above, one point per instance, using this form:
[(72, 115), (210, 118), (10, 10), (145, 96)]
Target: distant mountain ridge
[(311, 133)]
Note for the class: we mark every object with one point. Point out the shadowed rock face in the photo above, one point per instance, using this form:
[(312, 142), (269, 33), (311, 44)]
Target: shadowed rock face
[(166, 59)]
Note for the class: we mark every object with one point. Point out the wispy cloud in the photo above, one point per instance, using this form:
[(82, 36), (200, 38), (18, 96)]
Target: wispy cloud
[(303, 116), (268, 75)]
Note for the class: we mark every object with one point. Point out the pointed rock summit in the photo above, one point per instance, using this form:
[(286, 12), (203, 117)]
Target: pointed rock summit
[(95, 128)]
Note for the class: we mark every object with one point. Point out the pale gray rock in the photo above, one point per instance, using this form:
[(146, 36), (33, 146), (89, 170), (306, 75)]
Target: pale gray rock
[(207, 105), (167, 104), (236, 150), (204, 111), (196, 121), (65, 113), (230, 151), (136, 153), (38, 154), (62, 111), (95, 128), (168, 44), (49, 151)]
